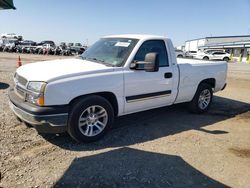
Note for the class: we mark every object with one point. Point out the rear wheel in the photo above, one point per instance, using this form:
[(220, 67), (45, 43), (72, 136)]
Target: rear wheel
[(226, 59), (205, 58), (90, 118), (202, 99)]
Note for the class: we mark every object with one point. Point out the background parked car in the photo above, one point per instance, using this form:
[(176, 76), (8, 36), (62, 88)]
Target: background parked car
[(63, 45), (77, 49), (78, 44), (27, 43), (9, 45), (9, 35), (25, 46), (213, 55), (179, 53), (190, 54), (50, 42), (70, 44)]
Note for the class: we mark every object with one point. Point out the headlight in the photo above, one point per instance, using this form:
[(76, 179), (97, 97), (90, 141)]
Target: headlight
[(36, 94), (37, 87)]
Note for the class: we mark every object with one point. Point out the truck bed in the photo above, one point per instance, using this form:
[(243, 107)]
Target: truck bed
[(192, 72)]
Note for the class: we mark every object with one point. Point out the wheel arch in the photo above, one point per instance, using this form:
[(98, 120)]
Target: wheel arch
[(209, 81), (109, 96)]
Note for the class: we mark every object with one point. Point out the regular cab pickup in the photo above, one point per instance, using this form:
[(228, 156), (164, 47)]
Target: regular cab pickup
[(117, 75)]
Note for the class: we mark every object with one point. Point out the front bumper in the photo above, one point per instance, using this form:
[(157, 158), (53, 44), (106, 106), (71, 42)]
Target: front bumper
[(51, 119)]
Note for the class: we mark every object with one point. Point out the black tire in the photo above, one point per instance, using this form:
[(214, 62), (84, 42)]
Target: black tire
[(194, 104), (27, 125), (82, 105), (206, 58), (226, 59), (180, 56)]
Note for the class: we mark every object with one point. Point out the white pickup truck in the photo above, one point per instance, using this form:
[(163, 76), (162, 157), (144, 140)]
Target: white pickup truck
[(117, 75)]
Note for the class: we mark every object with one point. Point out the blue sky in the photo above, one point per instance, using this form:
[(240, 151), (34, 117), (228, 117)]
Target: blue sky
[(81, 20)]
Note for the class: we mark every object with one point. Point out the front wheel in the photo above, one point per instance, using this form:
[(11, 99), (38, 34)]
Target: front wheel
[(90, 118), (202, 99), (226, 59)]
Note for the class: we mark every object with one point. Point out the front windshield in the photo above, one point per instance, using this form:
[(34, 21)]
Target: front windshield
[(110, 51)]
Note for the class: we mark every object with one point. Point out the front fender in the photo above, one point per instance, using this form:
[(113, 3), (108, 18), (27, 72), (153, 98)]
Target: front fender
[(65, 90)]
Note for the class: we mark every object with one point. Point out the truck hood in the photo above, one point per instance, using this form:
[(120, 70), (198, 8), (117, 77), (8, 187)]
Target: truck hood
[(48, 71)]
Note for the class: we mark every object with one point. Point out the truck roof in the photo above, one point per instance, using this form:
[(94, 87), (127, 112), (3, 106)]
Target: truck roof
[(136, 36)]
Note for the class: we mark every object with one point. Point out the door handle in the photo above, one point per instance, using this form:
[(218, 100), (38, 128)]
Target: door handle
[(168, 75)]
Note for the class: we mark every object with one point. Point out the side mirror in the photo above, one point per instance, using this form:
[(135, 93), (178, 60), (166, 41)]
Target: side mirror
[(151, 63)]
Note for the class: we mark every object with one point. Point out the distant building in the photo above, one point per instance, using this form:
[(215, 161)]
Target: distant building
[(237, 46)]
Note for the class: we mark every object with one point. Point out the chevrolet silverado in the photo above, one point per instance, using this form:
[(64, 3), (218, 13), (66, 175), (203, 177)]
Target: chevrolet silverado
[(118, 75)]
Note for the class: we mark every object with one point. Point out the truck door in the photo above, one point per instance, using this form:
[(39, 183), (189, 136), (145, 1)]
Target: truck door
[(145, 90)]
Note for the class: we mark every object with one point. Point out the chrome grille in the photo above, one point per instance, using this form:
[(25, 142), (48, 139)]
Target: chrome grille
[(21, 80), (20, 86), (19, 92)]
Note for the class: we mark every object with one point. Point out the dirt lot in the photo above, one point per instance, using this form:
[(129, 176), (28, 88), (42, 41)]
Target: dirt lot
[(166, 147)]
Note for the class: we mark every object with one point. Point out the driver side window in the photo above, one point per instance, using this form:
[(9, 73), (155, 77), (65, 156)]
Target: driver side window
[(156, 46)]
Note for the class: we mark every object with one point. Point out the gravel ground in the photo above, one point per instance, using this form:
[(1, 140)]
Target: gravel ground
[(155, 148)]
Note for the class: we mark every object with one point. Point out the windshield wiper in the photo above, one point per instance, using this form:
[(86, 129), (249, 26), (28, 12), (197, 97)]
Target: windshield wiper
[(95, 59), (98, 61)]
